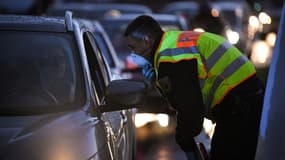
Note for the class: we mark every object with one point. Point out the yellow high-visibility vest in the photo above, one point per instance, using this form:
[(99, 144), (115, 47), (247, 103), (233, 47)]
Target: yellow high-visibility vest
[(221, 66)]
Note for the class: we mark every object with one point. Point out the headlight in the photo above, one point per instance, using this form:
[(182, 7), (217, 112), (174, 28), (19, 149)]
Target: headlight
[(142, 119), (270, 39), (264, 18), (163, 119), (232, 36), (254, 22)]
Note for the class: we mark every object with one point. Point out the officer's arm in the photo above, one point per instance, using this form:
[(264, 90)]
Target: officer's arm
[(185, 96)]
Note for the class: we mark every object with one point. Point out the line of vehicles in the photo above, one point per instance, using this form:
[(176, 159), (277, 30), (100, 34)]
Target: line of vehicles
[(70, 89), (65, 94)]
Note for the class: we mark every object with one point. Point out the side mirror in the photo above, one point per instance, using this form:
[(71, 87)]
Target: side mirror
[(124, 94)]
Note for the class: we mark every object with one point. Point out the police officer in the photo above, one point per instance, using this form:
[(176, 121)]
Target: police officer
[(202, 75)]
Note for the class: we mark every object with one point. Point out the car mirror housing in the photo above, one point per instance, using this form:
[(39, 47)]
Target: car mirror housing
[(124, 94)]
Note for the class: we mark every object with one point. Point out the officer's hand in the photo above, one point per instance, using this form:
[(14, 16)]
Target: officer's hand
[(139, 60)]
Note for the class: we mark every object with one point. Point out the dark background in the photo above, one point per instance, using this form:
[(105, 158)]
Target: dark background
[(37, 7)]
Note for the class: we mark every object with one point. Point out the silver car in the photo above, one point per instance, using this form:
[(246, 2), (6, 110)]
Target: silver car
[(58, 100)]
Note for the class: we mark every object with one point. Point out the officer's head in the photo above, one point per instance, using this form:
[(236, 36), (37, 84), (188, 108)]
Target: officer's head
[(141, 34)]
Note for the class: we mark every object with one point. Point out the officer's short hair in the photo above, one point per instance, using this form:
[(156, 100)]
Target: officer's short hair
[(143, 25)]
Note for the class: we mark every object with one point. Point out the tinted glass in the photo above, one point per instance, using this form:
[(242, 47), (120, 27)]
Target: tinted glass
[(104, 48), (38, 69)]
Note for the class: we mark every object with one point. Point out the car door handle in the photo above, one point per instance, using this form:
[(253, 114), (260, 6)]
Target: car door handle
[(92, 121), (124, 117)]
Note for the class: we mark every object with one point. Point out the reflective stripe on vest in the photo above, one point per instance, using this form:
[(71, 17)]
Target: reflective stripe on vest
[(226, 67), (221, 66), (217, 54), (169, 52), (178, 54), (222, 84)]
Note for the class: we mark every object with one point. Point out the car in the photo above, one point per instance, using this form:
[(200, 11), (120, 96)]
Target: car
[(58, 97), (191, 8), (187, 9), (96, 10), (18, 7), (199, 15)]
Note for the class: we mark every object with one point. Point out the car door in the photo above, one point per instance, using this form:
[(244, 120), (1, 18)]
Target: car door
[(124, 128), (101, 75)]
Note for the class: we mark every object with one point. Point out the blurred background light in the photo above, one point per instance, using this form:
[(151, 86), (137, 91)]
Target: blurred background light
[(232, 36), (215, 12), (254, 22), (199, 29), (142, 119), (261, 54), (264, 18), (162, 119), (270, 39)]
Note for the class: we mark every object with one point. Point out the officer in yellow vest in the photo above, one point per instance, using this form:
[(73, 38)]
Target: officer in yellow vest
[(202, 75)]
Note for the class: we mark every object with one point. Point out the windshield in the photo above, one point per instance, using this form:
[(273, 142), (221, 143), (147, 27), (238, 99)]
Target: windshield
[(38, 69)]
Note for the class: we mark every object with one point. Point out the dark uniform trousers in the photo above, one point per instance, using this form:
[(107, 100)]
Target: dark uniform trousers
[(237, 123)]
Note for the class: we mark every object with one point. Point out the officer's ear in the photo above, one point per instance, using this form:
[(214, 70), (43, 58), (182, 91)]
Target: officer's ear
[(147, 39)]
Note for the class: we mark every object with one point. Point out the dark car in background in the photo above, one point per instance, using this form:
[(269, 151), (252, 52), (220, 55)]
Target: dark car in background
[(96, 10), (58, 99), (199, 14), (187, 9)]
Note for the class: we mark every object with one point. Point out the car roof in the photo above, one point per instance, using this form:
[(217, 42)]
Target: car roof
[(35, 23), (94, 24)]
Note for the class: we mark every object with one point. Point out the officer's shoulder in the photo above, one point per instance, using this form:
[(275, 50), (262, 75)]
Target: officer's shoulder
[(211, 36)]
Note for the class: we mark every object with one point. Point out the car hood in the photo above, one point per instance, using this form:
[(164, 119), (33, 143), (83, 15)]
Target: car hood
[(66, 135)]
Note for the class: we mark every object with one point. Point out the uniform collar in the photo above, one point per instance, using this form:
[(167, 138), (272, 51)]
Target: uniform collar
[(156, 49)]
